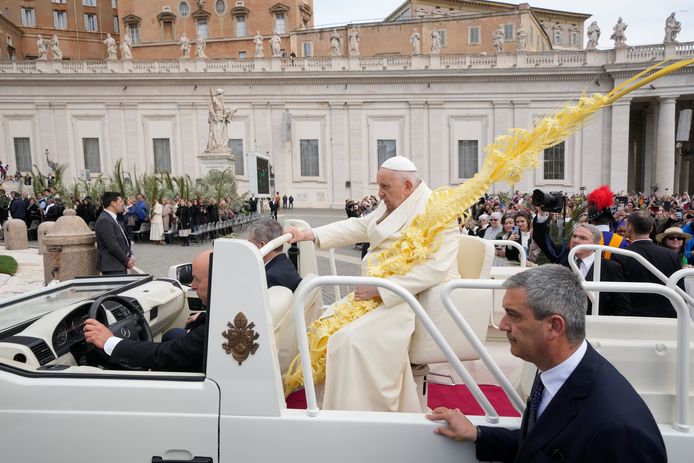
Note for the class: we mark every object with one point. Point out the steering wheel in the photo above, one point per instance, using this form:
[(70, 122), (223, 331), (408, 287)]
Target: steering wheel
[(134, 327)]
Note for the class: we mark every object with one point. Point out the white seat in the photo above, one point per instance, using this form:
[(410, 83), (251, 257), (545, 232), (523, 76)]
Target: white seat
[(308, 262), (280, 305)]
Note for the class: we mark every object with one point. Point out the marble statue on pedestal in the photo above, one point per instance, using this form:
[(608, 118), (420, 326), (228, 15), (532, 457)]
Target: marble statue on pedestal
[(498, 38), (276, 45), (110, 42), (200, 45), (416, 42), (593, 36), (435, 42), (335, 45), (354, 41), (522, 39), (185, 46), (258, 41), (126, 47), (55, 48), (42, 48), (620, 39), (672, 28), (218, 119)]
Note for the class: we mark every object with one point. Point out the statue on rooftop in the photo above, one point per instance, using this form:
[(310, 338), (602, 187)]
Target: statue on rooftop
[(593, 36), (498, 38), (354, 41), (276, 45), (258, 41), (335, 45), (522, 39), (200, 45), (185, 46), (416, 42), (126, 47), (111, 50), (435, 42), (672, 28), (620, 39), (42, 48), (55, 48)]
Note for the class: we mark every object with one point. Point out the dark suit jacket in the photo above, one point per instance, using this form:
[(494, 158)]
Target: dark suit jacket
[(281, 272), (665, 260), (595, 416), (113, 250), (184, 353)]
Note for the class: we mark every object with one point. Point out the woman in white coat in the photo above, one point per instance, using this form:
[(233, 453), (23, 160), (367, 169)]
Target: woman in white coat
[(156, 227)]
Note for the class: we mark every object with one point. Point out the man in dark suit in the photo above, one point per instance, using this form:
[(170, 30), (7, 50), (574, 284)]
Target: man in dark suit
[(611, 303), (114, 256), (639, 228), (279, 270), (183, 353), (580, 407)]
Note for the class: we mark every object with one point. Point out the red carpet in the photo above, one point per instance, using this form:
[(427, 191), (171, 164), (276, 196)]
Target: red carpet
[(457, 396)]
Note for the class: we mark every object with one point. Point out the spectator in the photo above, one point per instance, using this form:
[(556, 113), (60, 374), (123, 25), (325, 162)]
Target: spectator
[(525, 238), (482, 225), (18, 207), (674, 238), (494, 227), (4, 206)]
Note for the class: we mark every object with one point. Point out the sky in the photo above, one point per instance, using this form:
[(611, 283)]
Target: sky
[(645, 20)]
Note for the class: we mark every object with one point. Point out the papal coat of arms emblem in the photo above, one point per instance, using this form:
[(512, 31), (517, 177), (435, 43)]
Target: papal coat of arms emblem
[(240, 338)]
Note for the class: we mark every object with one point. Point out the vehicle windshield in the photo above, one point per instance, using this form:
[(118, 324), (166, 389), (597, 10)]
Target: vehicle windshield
[(30, 306)]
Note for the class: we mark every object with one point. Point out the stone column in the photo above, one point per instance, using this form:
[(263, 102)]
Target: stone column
[(619, 149), (665, 147)]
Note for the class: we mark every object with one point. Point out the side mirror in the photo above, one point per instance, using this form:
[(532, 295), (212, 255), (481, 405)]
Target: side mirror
[(183, 273)]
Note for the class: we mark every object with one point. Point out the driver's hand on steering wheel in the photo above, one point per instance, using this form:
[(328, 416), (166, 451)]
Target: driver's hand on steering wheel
[(96, 333)]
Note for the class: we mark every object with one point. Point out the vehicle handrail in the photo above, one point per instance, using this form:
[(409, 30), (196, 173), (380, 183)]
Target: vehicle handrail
[(523, 256), (274, 244), (682, 372), (625, 252), (333, 271), (491, 415), (675, 278)]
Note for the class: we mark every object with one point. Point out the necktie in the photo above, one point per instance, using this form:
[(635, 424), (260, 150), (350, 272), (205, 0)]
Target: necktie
[(534, 401)]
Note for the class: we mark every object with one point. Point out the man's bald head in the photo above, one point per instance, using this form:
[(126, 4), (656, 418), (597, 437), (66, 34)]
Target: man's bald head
[(201, 275)]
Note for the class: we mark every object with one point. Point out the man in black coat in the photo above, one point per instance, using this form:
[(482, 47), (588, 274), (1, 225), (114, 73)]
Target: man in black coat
[(279, 270), (18, 209), (580, 408), (647, 305), (183, 353), (114, 256)]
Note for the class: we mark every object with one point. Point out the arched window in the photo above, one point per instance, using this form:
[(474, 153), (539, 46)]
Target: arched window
[(220, 7), (184, 9)]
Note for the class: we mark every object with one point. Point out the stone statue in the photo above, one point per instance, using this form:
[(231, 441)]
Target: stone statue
[(354, 41), (498, 38), (201, 4), (218, 119), (258, 41), (42, 47), (620, 39), (111, 50), (672, 28), (522, 39), (435, 42), (593, 36), (335, 45), (200, 45), (185, 46), (416, 42), (55, 48), (126, 47), (276, 45)]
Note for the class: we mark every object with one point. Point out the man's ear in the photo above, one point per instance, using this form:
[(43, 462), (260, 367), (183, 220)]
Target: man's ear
[(557, 326)]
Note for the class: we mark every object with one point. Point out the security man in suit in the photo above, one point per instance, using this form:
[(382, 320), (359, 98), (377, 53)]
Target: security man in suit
[(184, 353), (580, 407), (279, 270), (114, 255)]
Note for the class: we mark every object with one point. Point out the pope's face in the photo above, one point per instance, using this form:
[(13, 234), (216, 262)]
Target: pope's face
[(392, 188)]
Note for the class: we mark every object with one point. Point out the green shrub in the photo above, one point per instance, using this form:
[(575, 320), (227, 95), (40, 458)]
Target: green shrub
[(8, 265)]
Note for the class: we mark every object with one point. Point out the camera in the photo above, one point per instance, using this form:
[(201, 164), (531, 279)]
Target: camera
[(549, 202)]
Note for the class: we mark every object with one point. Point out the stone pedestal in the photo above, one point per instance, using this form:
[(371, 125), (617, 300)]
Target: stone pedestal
[(217, 161), (15, 232), (44, 229), (70, 250)]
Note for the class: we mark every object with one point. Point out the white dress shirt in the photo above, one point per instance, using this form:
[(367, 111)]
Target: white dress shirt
[(554, 378), (586, 263)]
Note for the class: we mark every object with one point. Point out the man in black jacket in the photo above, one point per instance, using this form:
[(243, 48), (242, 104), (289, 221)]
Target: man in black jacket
[(279, 270), (114, 256), (184, 353)]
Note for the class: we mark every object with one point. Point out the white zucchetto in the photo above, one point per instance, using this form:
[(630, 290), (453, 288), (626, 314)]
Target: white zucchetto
[(400, 164)]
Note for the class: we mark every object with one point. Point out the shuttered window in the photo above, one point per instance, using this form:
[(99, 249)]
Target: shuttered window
[(309, 158), (467, 158), (162, 155), (22, 154), (386, 149), (236, 147), (92, 157)]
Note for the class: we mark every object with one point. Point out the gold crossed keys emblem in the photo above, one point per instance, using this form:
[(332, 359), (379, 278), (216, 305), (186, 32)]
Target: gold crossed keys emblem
[(241, 337)]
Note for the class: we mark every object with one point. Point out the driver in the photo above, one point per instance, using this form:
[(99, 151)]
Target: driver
[(184, 353)]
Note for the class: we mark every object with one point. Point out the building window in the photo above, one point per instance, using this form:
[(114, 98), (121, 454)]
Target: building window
[(280, 23), (114, 4), (558, 37), (22, 154), (183, 8), (89, 2), (474, 34), (60, 1), (202, 28), (309, 158), (162, 155), (116, 25), (92, 158), (508, 32), (134, 31), (240, 26), (28, 17), (554, 162), (573, 39), (90, 24), (60, 19), (468, 155), (307, 48), (236, 147), (243, 55), (220, 7), (386, 149), (443, 35)]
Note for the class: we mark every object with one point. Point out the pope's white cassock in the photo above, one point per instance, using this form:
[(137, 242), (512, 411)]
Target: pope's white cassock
[(368, 366)]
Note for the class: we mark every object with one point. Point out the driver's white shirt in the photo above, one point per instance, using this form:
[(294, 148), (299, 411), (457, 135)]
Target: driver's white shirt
[(111, 344)]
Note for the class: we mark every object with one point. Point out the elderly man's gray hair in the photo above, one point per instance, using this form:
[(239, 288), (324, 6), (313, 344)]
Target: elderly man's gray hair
[(554, 290), (593, 231), (265, 230)]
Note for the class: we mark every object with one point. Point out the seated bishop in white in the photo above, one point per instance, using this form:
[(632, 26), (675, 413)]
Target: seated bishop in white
[(368, 366)]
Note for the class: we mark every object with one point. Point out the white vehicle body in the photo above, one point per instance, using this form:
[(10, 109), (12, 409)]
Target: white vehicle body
[(60, 411)]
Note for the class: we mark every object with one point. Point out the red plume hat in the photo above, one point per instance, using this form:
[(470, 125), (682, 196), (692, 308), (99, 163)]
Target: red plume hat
[(600, 202)]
